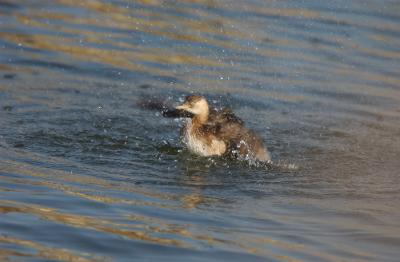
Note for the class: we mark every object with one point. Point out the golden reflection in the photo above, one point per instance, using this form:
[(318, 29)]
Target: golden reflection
[(159, 22), (117, 17), (5, 68), (145, 228), (136, 232), (131, 60), (62, 177), (188, 231), (94, 5), (250, 244), (43, 252), (135, 57), (5, 254)]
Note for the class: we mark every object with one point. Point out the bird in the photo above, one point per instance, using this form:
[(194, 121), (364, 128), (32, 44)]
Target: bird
[(211, 132)]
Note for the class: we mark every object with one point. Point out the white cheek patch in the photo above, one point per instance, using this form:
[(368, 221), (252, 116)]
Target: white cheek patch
[(195, 110)]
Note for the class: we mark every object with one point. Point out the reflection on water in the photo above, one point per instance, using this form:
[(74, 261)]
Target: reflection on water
[(88, 174)]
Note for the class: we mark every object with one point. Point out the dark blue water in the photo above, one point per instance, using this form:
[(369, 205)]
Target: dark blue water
[(86, 173)]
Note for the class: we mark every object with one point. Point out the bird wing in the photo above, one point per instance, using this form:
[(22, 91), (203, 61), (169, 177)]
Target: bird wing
[(224, 125), (224, 116), (163, 106)]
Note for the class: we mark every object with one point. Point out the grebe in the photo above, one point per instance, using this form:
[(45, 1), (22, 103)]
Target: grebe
[(211, 132)]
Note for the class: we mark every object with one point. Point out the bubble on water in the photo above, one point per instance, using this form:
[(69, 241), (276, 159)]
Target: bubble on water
[(283, 165)]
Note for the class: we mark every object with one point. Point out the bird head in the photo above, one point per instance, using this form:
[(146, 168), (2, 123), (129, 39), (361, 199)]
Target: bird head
[(194, 104)]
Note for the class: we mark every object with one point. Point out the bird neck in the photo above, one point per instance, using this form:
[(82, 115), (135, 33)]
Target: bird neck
[(201, 118)]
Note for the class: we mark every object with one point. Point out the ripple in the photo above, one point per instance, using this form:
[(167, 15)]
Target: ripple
[(88, 173)]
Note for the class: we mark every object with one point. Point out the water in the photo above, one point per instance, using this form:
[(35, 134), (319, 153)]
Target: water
[(88, 174)]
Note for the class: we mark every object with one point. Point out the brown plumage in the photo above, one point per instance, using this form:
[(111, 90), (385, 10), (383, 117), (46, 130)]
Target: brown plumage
[(219, 132)]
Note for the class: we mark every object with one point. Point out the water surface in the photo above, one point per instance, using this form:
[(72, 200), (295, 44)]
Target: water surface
[(88, 174)]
